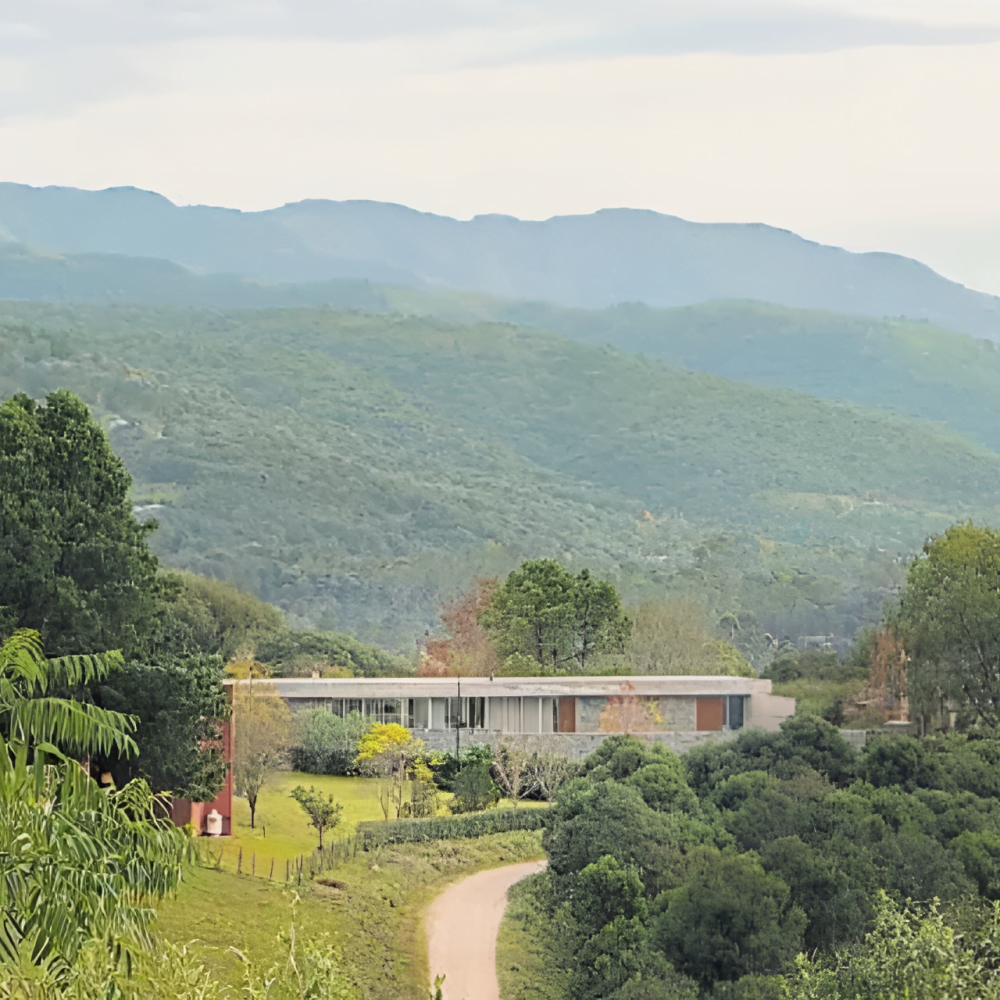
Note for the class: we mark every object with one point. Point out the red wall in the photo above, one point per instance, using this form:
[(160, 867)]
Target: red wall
[(196, 813)]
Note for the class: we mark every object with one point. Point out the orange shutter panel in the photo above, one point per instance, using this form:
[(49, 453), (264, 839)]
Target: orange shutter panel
[(708, 716), (567, 715)]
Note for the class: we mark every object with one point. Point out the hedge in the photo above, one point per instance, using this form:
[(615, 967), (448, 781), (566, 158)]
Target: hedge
[(405, 831)]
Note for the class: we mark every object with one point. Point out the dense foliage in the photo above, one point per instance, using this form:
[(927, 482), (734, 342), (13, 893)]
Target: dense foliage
[(949, 620), (79, 865), (74, 564), (374, 464), (723, 867), (543, 613)]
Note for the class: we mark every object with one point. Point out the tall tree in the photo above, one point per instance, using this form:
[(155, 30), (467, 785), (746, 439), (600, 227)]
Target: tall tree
[(179, 705), (466, 649), (546, 613), (262, 728), (74, 563), (949, 618)]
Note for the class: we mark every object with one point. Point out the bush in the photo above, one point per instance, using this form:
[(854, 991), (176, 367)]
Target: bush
[(326, 743), (446, 766), (475, 789), (481, 824)]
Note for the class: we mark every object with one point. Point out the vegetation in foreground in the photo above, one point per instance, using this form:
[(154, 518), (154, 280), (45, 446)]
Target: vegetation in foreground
[(709, 876), (372, 917)]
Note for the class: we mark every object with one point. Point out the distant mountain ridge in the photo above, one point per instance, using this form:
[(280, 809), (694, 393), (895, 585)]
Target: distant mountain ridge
[(588, 261)]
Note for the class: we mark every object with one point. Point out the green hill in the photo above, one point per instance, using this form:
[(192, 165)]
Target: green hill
[(912, 368), (354, 468)]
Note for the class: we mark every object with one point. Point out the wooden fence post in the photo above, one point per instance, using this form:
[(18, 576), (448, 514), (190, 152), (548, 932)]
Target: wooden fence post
[(239, 863), (271, 876), (253, 864)]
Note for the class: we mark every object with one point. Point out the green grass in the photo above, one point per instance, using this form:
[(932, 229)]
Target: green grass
[(528, 958), (375, 920), (282, 829)]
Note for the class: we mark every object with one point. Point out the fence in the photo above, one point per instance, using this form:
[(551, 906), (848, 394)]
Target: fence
[(374, 834)]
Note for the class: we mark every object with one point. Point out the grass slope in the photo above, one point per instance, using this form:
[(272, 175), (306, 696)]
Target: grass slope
[(528, 949), (353, 468), (282, 830), (375, 921)]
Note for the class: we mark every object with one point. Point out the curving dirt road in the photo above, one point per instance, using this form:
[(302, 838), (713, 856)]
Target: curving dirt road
[(462, 925)]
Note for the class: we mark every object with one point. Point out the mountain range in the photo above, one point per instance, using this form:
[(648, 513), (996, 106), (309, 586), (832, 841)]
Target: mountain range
[(588, 261)]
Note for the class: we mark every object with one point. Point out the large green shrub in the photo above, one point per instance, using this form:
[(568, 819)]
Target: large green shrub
[(479, 824), (327, 743)]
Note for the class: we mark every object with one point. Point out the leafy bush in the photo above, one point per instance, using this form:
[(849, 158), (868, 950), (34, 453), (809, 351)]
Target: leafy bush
[(327, 743), (475, 789), (479, 824)]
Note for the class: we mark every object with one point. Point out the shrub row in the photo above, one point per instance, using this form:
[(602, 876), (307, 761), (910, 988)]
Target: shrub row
[(405, 831)]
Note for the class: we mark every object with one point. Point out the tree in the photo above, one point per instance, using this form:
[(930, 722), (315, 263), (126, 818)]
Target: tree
[(78, 864), (512, 766), (544, 612), (262, 725), (74, 563), (550, 771), (671, 636), (323, 812), (475, 788), (949, 617), (179, 705), (466, 649), (389, 753), (326, 743), (728, 918)]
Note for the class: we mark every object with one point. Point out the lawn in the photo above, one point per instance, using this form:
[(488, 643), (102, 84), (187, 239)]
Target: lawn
[(282, 830), (374, 918)]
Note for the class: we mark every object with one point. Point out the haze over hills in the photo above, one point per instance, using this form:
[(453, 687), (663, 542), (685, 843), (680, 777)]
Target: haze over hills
[(592, 261)]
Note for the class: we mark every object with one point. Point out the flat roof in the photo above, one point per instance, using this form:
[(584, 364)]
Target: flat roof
[(513, 687)]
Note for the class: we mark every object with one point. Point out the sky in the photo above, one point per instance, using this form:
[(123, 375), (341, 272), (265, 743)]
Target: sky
[(867, 125)]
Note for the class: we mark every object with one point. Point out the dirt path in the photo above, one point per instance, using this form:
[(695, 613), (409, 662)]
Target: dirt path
[(462, 925)]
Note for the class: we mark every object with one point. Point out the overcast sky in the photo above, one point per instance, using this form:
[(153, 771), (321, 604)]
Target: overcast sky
[(871, 125)]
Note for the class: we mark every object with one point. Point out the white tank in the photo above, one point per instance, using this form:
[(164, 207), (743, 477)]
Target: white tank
[(213, 823)]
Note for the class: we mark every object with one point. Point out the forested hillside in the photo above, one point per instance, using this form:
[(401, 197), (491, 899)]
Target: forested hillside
[(354, 469)]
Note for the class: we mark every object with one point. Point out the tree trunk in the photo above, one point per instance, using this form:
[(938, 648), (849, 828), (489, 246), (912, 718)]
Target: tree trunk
[(253, 809)]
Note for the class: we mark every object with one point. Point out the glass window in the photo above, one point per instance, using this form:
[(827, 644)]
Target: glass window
[(735, 720)]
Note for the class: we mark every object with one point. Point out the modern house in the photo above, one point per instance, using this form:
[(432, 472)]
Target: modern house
[(569, 714)]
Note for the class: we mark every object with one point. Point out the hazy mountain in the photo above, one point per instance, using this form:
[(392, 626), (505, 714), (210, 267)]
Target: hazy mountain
[(592, 261)]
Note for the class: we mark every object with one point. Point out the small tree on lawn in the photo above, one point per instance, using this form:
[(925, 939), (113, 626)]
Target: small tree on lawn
[(262, 729), (389, 753), (512, 766), (323, 812)]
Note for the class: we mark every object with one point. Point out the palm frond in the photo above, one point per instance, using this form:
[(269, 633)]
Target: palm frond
[(76, 671), (77, 726), (21, 658)]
